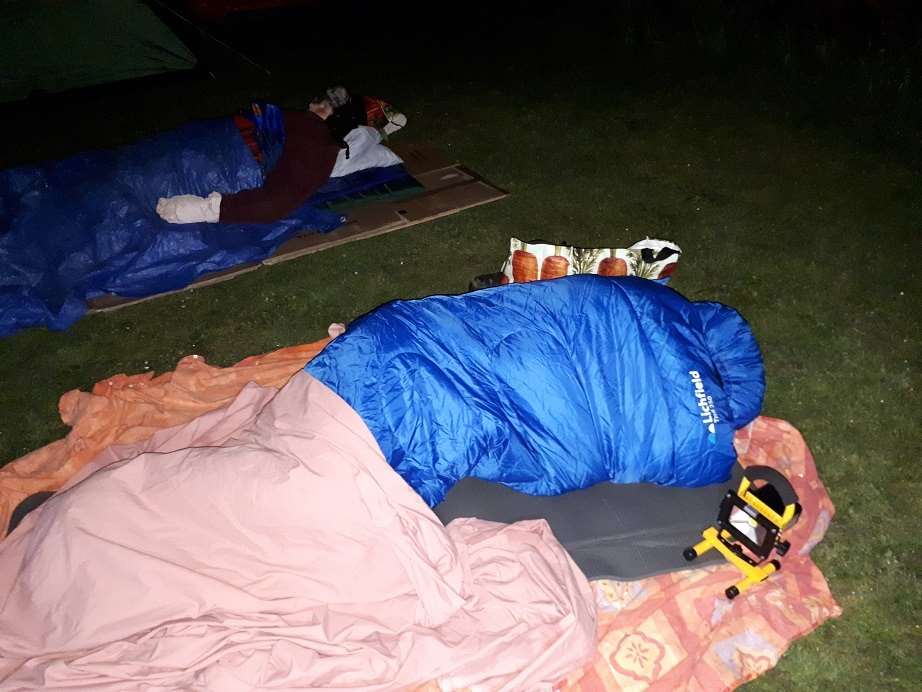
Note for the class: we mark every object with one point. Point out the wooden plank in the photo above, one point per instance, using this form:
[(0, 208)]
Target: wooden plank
[(376, 219), (445, 177), (447, 190), (371, 220), (448, 201), (110, 301), (421, 158)]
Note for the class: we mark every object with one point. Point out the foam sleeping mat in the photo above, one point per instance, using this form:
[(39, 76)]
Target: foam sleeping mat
[(623, 531)]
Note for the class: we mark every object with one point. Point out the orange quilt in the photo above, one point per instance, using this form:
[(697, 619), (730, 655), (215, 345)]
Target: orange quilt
[(672, 632)]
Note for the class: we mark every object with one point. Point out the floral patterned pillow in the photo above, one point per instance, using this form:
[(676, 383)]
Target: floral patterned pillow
[(648, 259)]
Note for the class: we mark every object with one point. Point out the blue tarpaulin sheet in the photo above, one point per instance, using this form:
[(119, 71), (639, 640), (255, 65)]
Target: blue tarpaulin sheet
[(85, 226)]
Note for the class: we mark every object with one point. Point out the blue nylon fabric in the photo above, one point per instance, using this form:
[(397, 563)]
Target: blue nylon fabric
[(335, 189), (269, 121), (86, 225), (551, 386)]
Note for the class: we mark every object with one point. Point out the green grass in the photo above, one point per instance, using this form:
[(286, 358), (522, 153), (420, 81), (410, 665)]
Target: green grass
[(811, 232)]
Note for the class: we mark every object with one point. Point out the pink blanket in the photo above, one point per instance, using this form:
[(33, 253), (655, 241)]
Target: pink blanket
[(268, 545), (130, 408)]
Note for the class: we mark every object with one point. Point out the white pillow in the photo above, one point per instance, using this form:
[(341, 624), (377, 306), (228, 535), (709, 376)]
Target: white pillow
[(365, 151)]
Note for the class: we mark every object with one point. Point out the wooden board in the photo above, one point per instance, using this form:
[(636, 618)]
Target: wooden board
[(422, 158), (448, 188), (375, 219), (110, 301)]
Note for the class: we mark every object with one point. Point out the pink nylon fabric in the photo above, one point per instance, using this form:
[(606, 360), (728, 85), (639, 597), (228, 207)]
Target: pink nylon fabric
[(268, 545)]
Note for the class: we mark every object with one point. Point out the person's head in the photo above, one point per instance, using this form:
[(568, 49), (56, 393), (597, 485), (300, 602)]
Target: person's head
[(334, 98), (338, 96), (321, 107)]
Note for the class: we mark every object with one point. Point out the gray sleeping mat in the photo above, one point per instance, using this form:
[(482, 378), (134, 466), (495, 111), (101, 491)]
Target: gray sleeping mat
[(612, 531)]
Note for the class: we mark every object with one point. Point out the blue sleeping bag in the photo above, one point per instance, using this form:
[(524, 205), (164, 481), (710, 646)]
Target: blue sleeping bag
[(551, 386)]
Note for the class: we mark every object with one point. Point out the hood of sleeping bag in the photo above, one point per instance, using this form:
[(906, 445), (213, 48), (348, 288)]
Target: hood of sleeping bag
[(550, 386)]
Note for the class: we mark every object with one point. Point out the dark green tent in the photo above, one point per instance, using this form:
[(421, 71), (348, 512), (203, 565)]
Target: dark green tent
[(54, 45)]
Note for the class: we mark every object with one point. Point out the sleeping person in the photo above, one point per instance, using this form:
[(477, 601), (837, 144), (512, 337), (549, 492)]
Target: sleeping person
[(330, 139), (551, 386), (305, 164)]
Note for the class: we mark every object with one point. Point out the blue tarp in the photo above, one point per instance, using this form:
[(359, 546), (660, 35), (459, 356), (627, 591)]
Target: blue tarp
[(551, 386), (380, 180), (85, 226)]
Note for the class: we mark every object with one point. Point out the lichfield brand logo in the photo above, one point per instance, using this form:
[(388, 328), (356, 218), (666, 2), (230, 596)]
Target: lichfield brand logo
[(705, 406)]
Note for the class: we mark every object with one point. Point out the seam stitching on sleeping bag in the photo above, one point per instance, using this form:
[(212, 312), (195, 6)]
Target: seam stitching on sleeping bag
[(517, 419), (727, 385), (659, 374)]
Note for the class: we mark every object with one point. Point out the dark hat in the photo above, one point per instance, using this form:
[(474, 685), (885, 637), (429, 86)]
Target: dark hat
[(338, 96)]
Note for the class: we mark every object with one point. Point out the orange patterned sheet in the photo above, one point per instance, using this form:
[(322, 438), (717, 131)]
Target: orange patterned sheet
[(678, 631), (672, 632)]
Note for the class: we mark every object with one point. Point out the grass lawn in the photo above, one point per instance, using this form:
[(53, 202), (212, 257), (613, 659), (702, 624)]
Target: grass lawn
[(811, 232)]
